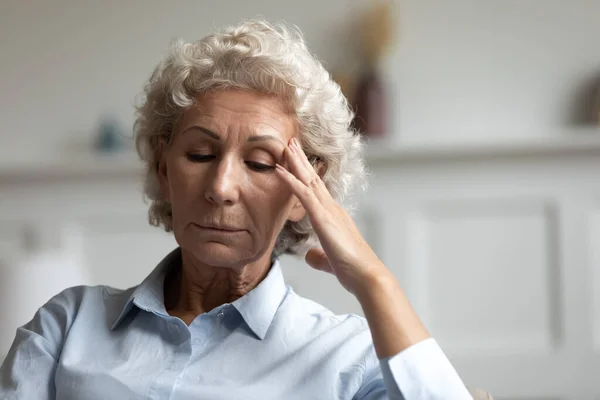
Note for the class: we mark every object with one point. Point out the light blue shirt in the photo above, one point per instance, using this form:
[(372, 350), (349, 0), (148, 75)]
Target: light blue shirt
[(104, 343)]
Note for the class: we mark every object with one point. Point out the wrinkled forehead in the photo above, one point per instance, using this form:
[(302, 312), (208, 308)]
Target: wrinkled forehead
[(246, 113)]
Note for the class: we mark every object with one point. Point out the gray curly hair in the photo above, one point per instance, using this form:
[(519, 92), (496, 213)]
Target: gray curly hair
[(260, 57)]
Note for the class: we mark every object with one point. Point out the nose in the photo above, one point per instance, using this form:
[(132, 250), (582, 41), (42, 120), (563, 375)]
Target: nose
[(223, 186)]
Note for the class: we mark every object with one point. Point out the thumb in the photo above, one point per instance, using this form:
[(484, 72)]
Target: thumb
[(317, 259)]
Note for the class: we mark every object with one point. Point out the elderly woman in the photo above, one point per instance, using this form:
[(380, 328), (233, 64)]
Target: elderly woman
[(249, 155)]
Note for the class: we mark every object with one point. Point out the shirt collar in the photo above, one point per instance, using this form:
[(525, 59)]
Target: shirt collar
[(257, 307), (149, 295)]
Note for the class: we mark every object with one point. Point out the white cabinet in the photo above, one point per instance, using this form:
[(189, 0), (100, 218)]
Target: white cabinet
[(498, 248)]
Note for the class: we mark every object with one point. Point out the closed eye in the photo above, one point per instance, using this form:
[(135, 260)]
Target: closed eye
[(256, 166), (259, 167), (200, 157)]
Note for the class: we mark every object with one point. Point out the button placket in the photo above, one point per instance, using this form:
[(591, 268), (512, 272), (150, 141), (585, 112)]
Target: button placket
[(201, 331)]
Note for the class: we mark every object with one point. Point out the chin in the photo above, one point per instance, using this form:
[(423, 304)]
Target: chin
[(219, 250), (222, 255)]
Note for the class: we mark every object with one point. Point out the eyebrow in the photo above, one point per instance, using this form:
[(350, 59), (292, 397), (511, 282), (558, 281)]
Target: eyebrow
[(215, 136), (203, 130), (264, 137)]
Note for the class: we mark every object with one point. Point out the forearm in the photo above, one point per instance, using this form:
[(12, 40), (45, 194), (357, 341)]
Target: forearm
[(393, 322)]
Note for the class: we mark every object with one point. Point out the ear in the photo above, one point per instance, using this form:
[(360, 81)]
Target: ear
[(297, 212)]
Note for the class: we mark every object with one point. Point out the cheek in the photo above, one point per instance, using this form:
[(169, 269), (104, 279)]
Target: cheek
[(181, 189), (276, 191), (184, 176), (270, 201), (184, 191)]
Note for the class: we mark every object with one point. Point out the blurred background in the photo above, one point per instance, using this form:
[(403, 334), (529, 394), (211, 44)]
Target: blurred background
[(482, 119)]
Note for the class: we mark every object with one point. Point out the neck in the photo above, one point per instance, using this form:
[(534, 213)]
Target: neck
[(197, 288)]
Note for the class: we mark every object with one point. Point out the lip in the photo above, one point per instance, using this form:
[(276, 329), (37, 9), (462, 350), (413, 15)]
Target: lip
[(219, 228)]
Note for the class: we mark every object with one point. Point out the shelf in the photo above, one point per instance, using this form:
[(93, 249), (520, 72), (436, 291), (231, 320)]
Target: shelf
[(377, 154), (381, 153), (96, 166)]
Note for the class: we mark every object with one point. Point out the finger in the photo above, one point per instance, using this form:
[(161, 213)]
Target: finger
[(294, 156), (305, 172), (306, 195), (317, 259), (302, 155)]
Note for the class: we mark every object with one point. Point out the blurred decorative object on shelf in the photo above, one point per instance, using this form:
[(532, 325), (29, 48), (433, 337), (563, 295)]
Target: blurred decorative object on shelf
[(597, 108), (109, 137), (377, 27), (370, 105), (47, 264)]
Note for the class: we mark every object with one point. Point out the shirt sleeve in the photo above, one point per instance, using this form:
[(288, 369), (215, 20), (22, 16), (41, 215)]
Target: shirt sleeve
[(28, 370), (420, 372)]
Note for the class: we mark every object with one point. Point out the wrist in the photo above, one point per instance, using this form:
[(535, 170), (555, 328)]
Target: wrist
[(378, 282), (393, 322)]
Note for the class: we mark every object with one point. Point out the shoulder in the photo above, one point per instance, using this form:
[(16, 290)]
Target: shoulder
[(61, 310), (346, 338), (73, 298), (67, 302), (317, 314), (52, 322)]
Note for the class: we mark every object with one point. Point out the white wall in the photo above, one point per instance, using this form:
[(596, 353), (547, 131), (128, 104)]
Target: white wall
[(463, 69), (66, 62), (495, 69), (497, 249)]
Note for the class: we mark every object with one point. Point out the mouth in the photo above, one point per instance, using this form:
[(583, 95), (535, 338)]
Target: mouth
[(219, 228)]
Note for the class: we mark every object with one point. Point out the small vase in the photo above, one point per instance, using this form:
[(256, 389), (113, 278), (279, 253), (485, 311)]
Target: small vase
[(109, 136), (371, 114)]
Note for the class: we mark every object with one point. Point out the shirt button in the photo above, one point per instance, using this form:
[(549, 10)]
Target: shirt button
[(221, 314)]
